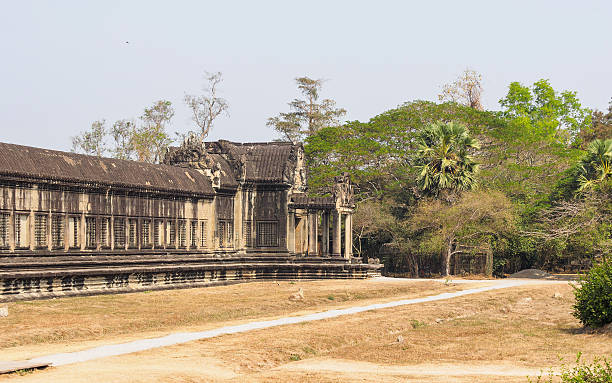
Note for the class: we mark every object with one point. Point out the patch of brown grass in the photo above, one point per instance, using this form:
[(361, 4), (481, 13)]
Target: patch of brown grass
[(482, 328), (494, 328), (77, 319)]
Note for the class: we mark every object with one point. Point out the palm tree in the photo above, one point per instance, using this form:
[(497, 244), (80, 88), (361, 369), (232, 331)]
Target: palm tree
[(443, 159), (596, 165)]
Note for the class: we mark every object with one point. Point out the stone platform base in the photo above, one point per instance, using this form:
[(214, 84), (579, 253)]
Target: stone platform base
[(23, 278)]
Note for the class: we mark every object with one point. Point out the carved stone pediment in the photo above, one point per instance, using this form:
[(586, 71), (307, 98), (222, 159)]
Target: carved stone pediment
[(189, 154), (192, 154)]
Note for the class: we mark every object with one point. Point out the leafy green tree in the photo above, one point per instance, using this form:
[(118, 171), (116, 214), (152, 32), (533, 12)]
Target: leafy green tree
[(380, 154), (443, 159), (474, 217), (541, 113), (122, 132), (92, 141), (307, 116), (150, 140)]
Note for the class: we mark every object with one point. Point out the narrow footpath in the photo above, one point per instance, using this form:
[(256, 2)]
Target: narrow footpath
[(179, 338)]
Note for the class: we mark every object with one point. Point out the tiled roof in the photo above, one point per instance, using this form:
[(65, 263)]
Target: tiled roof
[(264, 162), (228, 179), (301, 200), (54, 165)]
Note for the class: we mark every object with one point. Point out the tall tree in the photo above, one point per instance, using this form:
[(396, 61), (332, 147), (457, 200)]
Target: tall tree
[(122, 132), (150, 140), (307, 116), (91, 141), (475, 217), (443, 159), (465, 90), (207, 107), (545, 114)]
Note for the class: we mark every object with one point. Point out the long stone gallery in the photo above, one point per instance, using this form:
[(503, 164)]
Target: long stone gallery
[(213, 213)]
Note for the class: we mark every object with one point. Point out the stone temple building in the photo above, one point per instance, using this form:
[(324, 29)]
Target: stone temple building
[(213, 213)]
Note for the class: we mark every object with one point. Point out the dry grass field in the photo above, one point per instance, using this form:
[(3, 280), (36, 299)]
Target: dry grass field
[(496, 336), (67, 324)]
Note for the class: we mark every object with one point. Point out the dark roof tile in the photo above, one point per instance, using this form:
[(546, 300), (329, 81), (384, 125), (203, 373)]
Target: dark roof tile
[(63, 166)]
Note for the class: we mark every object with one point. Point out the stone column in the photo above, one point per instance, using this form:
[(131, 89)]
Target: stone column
[(312, 233), (337, 234), (325, 233), (291, 233), (348, 236)]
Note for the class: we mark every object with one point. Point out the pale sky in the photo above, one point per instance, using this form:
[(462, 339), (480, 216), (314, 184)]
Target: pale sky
[(65, 64)]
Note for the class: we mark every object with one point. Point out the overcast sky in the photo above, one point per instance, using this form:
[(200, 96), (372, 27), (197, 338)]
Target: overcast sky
[(64, 64)]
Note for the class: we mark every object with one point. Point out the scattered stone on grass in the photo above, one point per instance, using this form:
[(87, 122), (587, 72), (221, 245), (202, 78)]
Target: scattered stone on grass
[(525, 301), (299, 296)]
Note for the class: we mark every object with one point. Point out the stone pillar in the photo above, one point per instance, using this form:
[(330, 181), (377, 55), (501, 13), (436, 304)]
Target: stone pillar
[(291, 233), (348, 236), (337, 234), (312, 233), (325, 233)]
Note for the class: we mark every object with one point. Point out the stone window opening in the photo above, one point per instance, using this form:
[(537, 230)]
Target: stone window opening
[(182, 233), (203, 236), (40, 230), (146, 233), (230, 234), (90, 233), (22, 231), (247, 234), (225, 233), (267, 234), (221, 233), (57, 231), (158, 230), (4, 229), (193, 228), (172, 233), (73, 232), (105, 232), (132, 233), (119, 232)]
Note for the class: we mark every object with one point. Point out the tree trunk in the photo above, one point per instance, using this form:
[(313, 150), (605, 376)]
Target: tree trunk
[(447, 257)]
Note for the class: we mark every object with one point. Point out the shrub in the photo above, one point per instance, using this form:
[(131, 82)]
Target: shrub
[(593, 305), (600, 371)]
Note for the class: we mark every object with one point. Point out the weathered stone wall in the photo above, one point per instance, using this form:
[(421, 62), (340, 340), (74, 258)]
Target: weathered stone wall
[(29, 200), (47, 282)]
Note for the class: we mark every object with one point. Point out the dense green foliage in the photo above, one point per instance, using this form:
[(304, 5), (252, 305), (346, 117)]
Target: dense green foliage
[(443, 160), (593, 305), (549, 115), (559, 207)]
